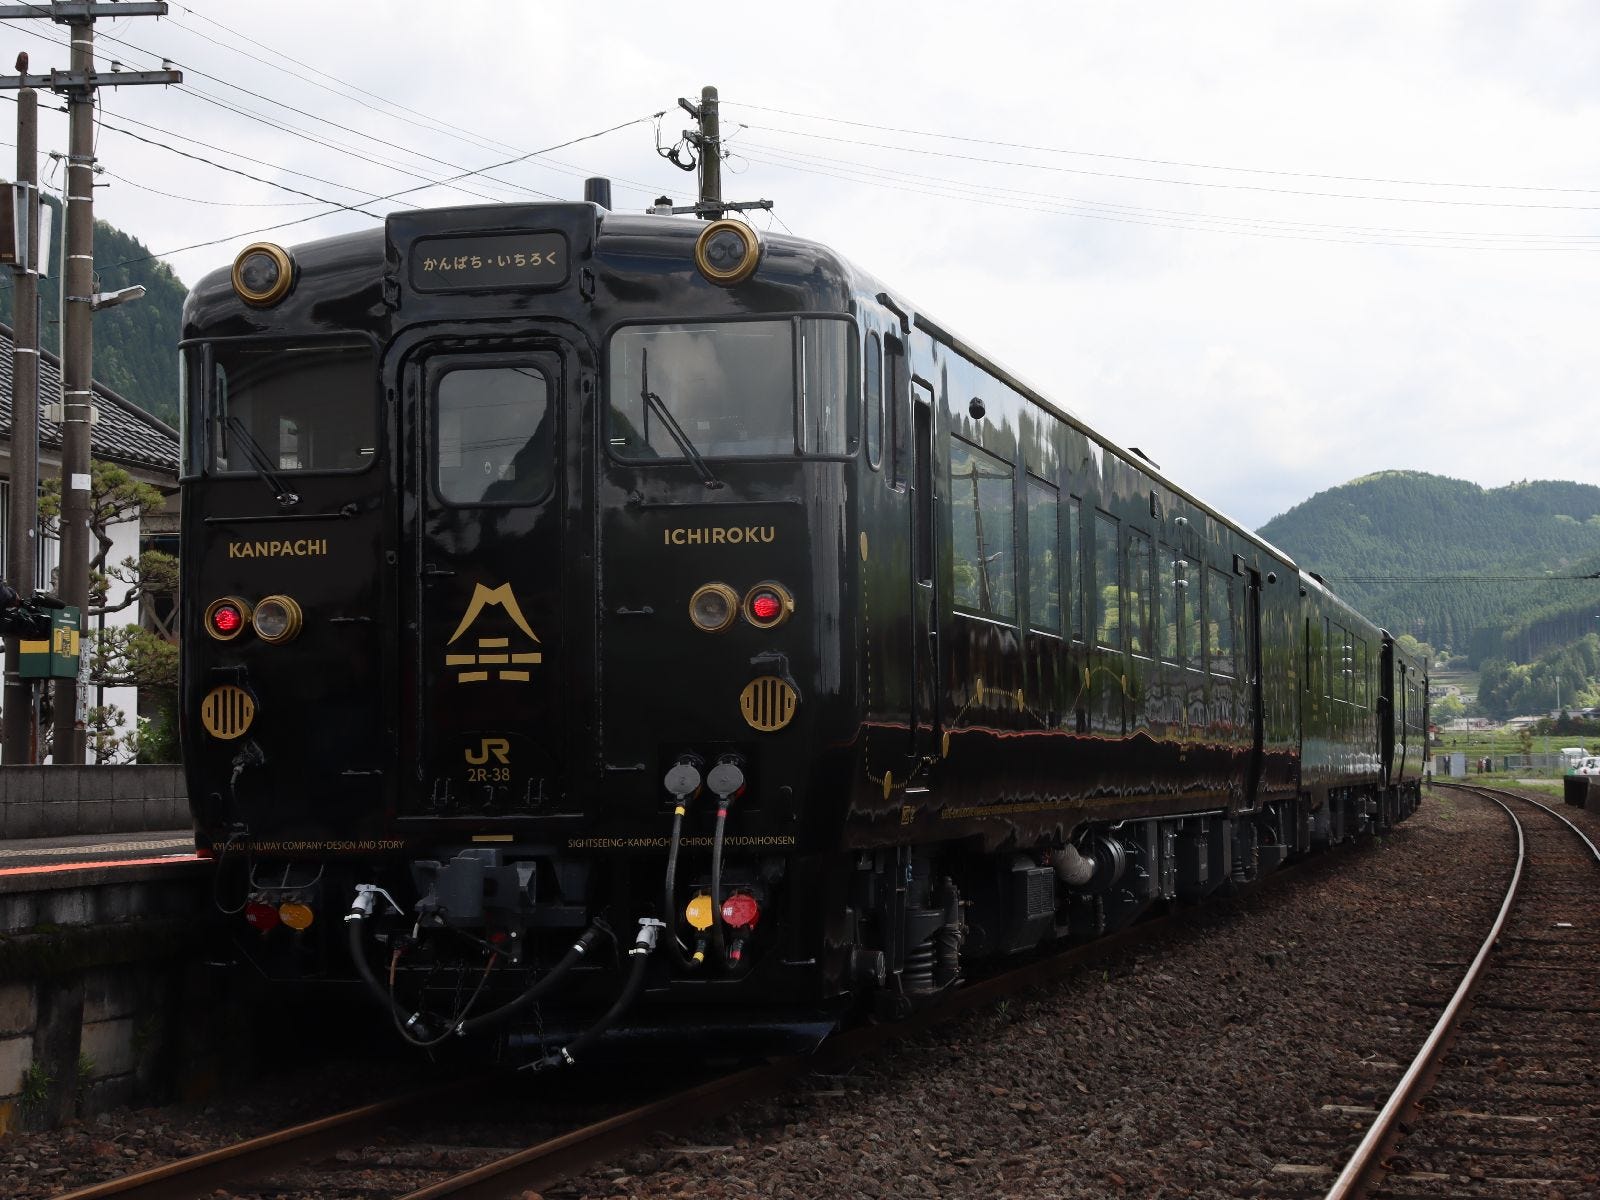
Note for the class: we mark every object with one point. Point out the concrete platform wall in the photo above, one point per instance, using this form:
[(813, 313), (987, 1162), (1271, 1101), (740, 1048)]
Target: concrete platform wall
[(105, 999), (61, 801)]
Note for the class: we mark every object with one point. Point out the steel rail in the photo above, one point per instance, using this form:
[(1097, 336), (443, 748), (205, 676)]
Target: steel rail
[(1365, 1165), (186, 1178), (539, 1166), (183, 1179)]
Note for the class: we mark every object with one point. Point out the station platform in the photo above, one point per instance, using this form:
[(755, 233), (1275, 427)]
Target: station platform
[(67, 854)]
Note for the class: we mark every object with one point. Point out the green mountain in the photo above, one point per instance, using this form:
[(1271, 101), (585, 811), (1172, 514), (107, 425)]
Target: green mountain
[(136, 343), (1491, 575)]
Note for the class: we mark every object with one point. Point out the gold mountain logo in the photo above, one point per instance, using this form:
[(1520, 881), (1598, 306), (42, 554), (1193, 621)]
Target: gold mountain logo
[(495, 652)]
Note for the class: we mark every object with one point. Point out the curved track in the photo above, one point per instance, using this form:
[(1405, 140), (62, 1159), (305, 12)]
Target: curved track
[(1500, 1101)]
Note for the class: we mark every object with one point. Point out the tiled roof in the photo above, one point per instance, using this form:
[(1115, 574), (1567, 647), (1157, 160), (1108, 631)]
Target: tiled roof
[(125, 433)]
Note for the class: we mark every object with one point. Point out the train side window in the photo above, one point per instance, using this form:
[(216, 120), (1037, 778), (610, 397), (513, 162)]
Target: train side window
[(1363, 689), (1107, 585), (828, 421), (1339, 662), (1138, 575), (1330, 653), (980, 531), (1167, 603), (1219, 622), (492, 437), (1074, 572), (1044, 556), (874, 401), (1188, 586), (896, 403)]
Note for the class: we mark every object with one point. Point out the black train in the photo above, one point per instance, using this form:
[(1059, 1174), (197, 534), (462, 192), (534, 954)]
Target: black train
[(556, 578)]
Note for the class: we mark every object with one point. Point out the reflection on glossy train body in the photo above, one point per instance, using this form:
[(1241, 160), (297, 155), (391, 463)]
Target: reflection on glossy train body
[(584, 626)]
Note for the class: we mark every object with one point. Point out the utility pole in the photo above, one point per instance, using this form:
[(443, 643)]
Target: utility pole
[(707, 143), (78, 85), (21, 532)]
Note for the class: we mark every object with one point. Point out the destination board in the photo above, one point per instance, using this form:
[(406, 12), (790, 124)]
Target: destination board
[(497, 260)]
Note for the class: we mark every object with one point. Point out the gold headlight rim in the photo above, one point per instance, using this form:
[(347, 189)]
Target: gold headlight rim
[(246, 613), (785, 604), (752, 259), (291, 610), (720, 589), (285, 280)]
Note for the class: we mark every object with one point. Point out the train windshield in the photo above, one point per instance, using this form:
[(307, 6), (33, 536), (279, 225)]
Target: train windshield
[(292, 407), (733, 389)]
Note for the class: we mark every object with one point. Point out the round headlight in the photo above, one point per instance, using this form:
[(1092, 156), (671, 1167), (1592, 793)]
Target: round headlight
[(768, 605), (713, 607), (226, 618), (728, 252), (277, 619), (262, 273)]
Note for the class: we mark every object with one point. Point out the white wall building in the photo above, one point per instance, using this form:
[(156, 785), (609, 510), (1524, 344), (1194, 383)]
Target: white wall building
[(123, 434)]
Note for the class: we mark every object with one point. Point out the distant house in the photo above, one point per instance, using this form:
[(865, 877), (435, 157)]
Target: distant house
[(125, 434)]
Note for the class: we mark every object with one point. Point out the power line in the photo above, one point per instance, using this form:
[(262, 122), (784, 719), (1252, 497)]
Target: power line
[(379, 199), (450, 130), (959, 189), (1195, 183), (1162, 162), (353, 93), (1166, 223)]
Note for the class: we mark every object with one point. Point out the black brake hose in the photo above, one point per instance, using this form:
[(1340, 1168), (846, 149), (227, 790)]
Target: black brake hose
[(640, 953), (717, 942), (543, 984), (358, 955), (669, 902)]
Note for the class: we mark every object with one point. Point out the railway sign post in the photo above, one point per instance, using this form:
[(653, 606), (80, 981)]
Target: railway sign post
[(55, 657)]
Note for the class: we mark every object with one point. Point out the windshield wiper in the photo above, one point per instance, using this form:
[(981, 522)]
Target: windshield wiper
[(259, 460), (654, 403)]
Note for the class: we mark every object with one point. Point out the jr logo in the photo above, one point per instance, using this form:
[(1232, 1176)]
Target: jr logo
[(499, 747)]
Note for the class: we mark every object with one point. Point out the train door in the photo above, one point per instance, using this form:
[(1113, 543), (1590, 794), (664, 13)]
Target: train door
[(924, 625), (1252, 666), (487, 712), (1391, 710)]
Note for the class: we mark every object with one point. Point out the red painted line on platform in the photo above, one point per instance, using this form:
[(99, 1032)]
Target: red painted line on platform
[(52, 868)]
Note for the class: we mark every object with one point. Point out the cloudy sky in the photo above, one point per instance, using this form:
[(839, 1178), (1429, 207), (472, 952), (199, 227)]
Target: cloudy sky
[(1277, 246)]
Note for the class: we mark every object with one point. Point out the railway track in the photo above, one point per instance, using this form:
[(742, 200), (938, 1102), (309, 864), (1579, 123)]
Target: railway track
[(382, 1150), (1500, 1101)]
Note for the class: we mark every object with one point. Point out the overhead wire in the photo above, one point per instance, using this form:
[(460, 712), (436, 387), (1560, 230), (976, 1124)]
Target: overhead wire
[(1200, 225), (1194, 183), (1080, 206), (510, 185), (1162, 162)]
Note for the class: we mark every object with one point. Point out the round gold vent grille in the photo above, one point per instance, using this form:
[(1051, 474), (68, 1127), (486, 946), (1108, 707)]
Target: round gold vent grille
[(227, 711), (768, 703)]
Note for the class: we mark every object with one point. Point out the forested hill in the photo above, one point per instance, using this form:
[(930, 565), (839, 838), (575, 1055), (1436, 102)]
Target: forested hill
[(135, 343), (1473, 570)]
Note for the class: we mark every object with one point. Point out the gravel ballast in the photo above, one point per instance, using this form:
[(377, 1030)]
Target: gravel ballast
[(1232, 1058)]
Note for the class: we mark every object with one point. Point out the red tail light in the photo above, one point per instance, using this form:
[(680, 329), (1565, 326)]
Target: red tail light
[(768, 605), (262, 917), (226, 618), (740, 911)]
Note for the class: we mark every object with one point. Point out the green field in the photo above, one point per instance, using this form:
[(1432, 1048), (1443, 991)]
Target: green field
[(1499, 744)]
